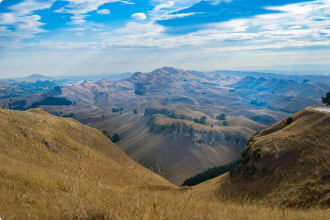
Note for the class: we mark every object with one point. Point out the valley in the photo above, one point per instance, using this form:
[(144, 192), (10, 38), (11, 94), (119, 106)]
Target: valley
[(179, 122), (56, 168)]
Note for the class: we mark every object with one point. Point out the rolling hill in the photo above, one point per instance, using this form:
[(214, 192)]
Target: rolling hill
[(57, 168), (53, 166), (285, 165), (159, 114)]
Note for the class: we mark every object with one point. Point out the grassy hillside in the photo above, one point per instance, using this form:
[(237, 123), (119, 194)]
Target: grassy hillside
[(175, 148), (56, 168), (286, 164)]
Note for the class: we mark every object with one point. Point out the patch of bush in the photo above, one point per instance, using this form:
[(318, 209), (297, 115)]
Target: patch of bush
[(105, 133), (201, 121), (71, 115), (257, 153), (221, 117), (52, 101), (135, 111), (115, 138), (17, 105), (210, 174), (225, 123), (326, 99), (289, 120), (245, 153), (140, 89), (117, 109)]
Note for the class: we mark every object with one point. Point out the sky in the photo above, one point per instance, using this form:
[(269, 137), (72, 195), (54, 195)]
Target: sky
[(74, 37)]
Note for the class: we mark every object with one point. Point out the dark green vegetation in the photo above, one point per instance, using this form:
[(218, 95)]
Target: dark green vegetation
[(52, 101), (140, 89), (71, 115), (210, 174), (289, 120), (135, 111), (114, 138), (221, 117), (117, 109), (245, 154), (201, 121), (326, 99), (17, 105), (225, 123)]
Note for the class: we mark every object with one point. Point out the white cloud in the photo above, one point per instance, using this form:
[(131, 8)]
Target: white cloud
[(291, 32), (139, 16), (79, 8), (103, 12), (164, 9), (128, 2), (22, 18)]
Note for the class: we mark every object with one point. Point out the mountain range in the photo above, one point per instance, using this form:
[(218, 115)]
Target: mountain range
[(169, 120)]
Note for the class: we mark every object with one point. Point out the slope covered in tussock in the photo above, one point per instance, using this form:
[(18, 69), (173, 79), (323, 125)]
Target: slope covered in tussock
[(286, 164), (56, 168), (57, 164)]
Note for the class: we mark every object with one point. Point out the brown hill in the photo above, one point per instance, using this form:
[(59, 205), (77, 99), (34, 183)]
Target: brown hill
[(56, 168), (286, 164), (178, 97), (56, 164), (178, 148)]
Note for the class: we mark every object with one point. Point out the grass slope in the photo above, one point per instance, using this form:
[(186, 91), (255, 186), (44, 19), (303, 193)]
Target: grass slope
[(286, 164), (56, 168)]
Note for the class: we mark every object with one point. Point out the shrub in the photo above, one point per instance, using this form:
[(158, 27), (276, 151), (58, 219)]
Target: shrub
[(135, 111), (105, 133), (221, 117), (117, 109), (245, 159), (326, 99), (54, 101), (140, 89), (201, 121), (225, 123), (245, 153), (289, 120), (257, 153), (71, 115), (115, 138), (210, 174)]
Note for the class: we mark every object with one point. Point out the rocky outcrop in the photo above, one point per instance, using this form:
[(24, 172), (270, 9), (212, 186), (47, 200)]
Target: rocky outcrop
[(208, 136), (150, 112)]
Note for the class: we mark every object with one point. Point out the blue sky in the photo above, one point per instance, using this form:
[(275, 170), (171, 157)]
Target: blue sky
[(102, 36)]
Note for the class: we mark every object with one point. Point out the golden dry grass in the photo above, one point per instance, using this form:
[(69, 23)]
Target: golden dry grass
[(84, 176), (294, 168)]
